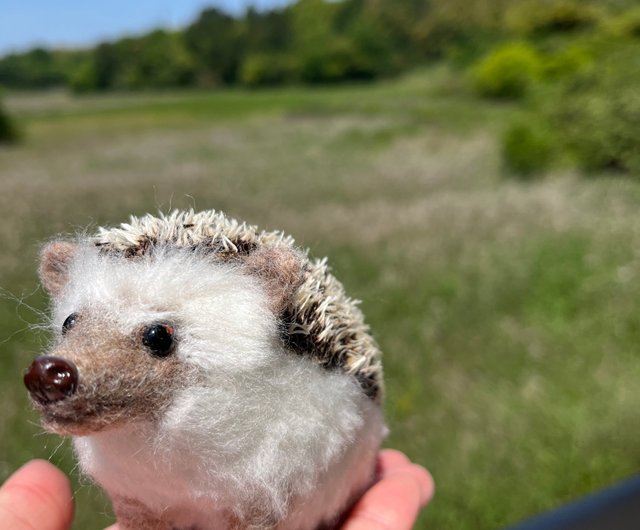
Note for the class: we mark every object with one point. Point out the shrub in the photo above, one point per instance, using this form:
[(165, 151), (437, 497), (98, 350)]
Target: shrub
[(8, 129), (602, 129), (339, 60), (264, 69), (527, 149), (566, 63), (507, 72), (84, 78), (627, 24), (537, 17), (598, 115)]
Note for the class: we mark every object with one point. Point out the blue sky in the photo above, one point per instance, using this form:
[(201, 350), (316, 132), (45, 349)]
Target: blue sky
[(26, 23)]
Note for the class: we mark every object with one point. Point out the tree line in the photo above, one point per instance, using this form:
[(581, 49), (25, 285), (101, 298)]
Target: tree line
[(308, 41)]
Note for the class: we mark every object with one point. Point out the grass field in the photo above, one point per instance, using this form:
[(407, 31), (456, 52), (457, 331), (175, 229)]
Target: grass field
[(507, 311)]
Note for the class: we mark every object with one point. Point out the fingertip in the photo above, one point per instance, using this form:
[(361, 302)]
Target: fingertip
[(425, 479), (43, 471), (422, 479), (389, 459), (38, 495), (392, 503)]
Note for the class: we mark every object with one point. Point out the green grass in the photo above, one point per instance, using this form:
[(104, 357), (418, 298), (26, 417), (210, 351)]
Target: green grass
[(507, 311)]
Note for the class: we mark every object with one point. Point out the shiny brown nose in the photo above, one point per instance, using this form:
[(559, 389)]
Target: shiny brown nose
[(51, 379)]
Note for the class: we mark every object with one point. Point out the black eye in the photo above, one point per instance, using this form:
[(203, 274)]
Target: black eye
[(69, 322), (158, 338)]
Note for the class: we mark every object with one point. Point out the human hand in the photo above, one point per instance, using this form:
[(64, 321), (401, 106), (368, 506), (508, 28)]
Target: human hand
[(392, 503), (38, 495)]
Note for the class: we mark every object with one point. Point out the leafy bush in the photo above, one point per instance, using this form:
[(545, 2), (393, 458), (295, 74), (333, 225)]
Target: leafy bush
[(157, 60), (527, 149), (8, 130), (265, 69), (537, 17), (627, 24), (566, 63), (338, 60), (39, 68), (599, 115), (508, 71), (84, 78)]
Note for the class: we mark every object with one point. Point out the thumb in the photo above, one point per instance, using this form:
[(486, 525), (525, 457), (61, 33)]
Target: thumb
[(36, 497), (394, 502)]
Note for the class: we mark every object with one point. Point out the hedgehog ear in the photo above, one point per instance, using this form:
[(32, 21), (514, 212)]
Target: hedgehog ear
[(280, 269), (55, 262)]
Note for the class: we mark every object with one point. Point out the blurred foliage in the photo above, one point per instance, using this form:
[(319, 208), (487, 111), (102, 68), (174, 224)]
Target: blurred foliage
[(559, 60), (215, 42), (527, 149), (266, 69), (565, 63), (40, 68), (508, 71), (317, 41), (598, 115), (8, 129), (156, 60), (627, 24), (535, 17)]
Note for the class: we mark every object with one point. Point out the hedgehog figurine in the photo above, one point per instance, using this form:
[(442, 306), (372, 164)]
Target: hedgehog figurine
[(210, 374)]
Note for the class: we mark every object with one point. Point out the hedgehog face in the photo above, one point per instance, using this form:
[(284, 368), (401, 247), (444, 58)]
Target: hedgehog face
[(131, 334), (98, 376)]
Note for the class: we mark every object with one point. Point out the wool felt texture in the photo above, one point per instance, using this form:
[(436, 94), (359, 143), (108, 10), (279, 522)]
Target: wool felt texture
[(266, 412), (321, 321)]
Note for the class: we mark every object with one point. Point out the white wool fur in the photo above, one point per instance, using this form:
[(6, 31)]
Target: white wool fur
[(260, 432)]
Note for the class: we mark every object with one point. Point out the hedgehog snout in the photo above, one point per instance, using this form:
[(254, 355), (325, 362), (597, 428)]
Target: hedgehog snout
[(50, 379)]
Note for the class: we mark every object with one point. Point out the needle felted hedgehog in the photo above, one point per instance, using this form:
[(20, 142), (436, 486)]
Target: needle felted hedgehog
[(210, 374)]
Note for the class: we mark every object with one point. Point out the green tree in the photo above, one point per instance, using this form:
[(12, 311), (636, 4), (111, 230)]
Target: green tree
[(160, 60), (156, 60), (38, 68), (597, 115), (268, 31), (106, 65), (329, 43), (312, 37), (363, 24), (214, 40)]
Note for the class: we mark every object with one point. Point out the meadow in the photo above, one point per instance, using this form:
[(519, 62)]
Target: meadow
[(506, 310)]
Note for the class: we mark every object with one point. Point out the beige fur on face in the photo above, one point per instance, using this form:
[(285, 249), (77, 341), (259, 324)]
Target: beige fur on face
[(119, 379)]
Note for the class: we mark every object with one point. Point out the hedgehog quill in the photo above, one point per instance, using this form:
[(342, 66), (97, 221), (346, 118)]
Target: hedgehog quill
[(211, 375)]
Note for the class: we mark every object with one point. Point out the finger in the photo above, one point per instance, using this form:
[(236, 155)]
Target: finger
[(422, 476), (36, 497), (394, 502), (389, 459), (113, 527)]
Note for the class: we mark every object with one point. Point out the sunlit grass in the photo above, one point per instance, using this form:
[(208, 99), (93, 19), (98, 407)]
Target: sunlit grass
[(506, 311)]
